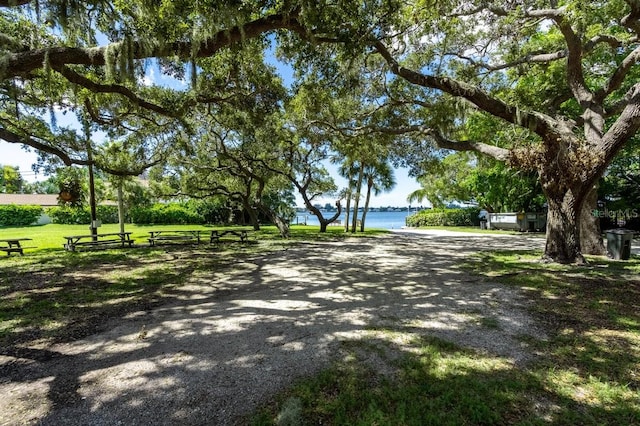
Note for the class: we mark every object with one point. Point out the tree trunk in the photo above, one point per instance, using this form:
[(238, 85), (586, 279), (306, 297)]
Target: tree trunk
[(563, 232), (590, 232), (347, 212), (120, 206), (356, 204), (316, 212), (279, 222), (253, 214), (366, 203), (282, 225), (325, 222), (92, 203)]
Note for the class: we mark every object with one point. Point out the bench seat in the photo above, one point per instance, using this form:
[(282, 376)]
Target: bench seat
[(10, 250), (119, 242), (96, 243), (173, 238), (217, 235)]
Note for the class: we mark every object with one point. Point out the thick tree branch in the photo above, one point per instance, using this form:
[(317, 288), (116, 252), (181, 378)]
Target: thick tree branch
[(575, 75), (623, 128), (618, 76), (527, 59), (541, 57), (612, 41), (12, 137), (632, 20), (23, 63), (136, 171), (539, 123), (12, 3), (500, 154), (499, 11), (80, 80)]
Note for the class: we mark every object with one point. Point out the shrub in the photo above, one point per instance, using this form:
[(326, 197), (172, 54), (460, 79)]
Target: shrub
[(82, 215), (165, 214), (108, 214), (213, 210), (445, 217), (14, 215)]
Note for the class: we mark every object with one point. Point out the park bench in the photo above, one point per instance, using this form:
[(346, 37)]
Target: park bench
[(216, 235), (183, 236), (13, 245), (98, 240)]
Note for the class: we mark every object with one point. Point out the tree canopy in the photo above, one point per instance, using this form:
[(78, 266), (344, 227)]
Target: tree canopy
[(545, 86)]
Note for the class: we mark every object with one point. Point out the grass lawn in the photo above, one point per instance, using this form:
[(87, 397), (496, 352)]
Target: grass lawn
[(51, 236), (586, 372)]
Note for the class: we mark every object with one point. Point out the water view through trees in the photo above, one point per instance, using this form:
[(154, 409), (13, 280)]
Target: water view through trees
[(375, 219)]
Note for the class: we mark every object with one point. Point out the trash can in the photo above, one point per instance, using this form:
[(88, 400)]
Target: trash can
[(619, 244), (483, 223)]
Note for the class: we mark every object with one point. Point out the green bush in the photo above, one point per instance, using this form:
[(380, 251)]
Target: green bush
[(82, 215), (14, 215), (108, 214), (165, 214), (445, 217), (213, 210)]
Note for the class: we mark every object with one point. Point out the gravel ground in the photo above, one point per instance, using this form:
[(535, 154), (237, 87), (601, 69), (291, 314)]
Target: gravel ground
[(233, 338)]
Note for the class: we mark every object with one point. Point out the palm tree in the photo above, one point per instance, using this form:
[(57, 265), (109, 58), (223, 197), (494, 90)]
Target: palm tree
[(359, 171), (380, 178), (348, 170)]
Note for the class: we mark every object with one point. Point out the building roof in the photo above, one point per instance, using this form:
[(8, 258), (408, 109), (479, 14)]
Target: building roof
[(44, 200)]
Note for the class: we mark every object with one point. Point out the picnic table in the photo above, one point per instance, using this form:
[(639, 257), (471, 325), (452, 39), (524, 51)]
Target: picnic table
[(13, 245), (216, 235), (181, 236), (98, 240)]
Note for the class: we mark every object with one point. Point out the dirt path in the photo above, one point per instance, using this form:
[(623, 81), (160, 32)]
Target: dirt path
[(235, 337)]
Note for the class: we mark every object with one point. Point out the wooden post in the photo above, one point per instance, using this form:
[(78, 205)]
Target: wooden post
[(92, 203), (120, 206)]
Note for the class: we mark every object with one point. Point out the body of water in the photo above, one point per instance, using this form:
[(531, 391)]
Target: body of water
[(381, 220)]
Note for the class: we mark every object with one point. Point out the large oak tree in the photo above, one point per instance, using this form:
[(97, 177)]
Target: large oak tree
[(564, 71)]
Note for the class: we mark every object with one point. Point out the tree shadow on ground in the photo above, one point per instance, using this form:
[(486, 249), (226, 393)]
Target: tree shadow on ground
[(477, 389), (237, 330)]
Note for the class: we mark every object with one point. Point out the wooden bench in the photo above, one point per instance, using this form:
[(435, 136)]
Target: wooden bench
[(13, 245), (215, 237), (187, 236), (99, 240)]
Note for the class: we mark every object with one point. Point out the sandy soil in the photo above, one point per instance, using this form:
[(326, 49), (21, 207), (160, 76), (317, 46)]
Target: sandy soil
[(235, 337)]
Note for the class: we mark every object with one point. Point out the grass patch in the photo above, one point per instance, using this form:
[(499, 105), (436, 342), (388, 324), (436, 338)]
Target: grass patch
[(51, 236), (57, 296), (51, 295), (437, 384), (591, 314), (587, 370)]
